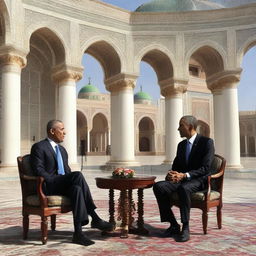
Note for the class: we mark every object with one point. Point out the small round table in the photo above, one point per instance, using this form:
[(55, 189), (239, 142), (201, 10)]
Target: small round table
[(126, 204)]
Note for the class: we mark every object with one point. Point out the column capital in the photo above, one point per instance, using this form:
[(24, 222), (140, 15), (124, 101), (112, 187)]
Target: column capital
[(9, 55), (173, 87), (63, 72), (120, 82), (224, 79)]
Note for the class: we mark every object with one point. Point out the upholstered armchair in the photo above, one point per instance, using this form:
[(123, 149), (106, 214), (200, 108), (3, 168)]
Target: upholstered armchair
[(35, 202), (212, 196)]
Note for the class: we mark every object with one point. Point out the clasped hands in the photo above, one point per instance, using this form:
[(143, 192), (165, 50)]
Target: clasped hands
[(175, 176)]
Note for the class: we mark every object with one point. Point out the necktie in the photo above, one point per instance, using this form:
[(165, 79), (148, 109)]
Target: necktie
[(188, 149), (59, 161)]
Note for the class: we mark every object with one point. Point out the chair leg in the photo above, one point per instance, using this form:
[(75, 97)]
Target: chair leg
[(205, 220), (53, 222), (219, 216), (44, 229), (25, 226)]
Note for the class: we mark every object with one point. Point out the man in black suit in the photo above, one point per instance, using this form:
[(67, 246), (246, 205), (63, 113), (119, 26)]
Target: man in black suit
[(50, 160), (189, 173)]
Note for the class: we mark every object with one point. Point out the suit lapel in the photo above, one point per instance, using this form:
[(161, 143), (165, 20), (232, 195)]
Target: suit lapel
[(184, 147), (49, 146), (193, 149)]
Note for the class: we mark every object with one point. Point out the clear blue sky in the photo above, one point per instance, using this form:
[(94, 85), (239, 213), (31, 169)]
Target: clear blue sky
[(148, 80)]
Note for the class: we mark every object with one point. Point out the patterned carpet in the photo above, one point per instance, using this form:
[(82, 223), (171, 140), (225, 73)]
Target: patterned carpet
[(237, 236)]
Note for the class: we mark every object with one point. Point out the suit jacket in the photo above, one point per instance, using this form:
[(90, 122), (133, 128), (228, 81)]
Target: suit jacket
[(44, 160), (200, 158)]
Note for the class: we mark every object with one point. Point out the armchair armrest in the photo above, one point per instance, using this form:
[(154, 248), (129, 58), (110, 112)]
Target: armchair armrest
[(41, 195), (27, 177), (208, 193), (216, 176)]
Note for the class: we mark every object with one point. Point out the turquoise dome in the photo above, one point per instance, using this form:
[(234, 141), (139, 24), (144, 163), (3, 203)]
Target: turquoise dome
[(89, 88), (142, 96), (178, 5)]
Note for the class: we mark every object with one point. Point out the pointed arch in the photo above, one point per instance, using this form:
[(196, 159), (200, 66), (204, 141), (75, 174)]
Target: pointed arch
[(146, 134), (5, 24), (246, 46), (99, 133), (46, 39), (210, 55), (159, 58), (107, 53)]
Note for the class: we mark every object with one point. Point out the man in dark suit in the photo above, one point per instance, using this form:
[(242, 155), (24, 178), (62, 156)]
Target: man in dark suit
[(189, 173), (50, 160)]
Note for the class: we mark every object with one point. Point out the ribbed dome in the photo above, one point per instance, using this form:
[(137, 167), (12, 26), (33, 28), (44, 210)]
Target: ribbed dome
[(178, 5)]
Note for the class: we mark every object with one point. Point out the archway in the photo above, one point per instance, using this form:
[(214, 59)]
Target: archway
[(203, 63), (105, 53), (4, 23), (82, 133), (146, 135), (99, 135), (246, 99), (38, 92)]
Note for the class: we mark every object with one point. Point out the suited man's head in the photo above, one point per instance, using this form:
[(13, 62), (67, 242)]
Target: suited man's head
[(187, 126), (56, 131)]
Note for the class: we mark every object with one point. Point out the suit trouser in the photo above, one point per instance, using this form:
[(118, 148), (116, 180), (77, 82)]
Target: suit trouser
[(74, 186), (163, 191)]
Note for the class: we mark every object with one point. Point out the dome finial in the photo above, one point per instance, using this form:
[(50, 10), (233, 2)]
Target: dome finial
[(141, 88), (89, 80)]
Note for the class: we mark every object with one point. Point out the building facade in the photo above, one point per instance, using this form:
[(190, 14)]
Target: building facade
[(248, 133), (41, 48)]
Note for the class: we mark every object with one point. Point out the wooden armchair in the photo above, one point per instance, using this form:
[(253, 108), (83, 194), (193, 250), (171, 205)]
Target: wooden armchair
[(211, 197), (35, 202)]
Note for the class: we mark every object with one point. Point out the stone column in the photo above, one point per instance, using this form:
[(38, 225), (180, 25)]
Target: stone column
[(10, 107), (218, 121), (226, 115), (153, 139), (88, 141), (122, 120), (109, 137), (172, 91), (137, 140), (246, 145), (65, 78)]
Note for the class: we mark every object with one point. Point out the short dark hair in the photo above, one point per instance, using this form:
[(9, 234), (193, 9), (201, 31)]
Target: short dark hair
[(190, 120), (51, 124)]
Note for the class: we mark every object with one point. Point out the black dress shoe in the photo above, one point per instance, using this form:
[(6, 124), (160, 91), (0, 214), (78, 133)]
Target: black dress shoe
[(80, 238), (172, 231), (102, 225), (183, 237)]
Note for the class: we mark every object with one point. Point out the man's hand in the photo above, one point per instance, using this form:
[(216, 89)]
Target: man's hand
[(175, 176)]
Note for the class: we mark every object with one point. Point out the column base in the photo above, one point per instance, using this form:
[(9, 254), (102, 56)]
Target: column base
[(167, 162), (75, 166), (234, 166), (112, 165), (11, 166)]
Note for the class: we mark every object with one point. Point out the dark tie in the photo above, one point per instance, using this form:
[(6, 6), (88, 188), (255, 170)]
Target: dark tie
[(188, 149), (59, 161)]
